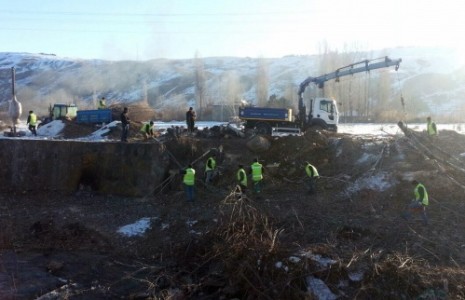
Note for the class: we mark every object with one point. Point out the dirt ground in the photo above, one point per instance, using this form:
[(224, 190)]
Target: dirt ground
[(347, 241)]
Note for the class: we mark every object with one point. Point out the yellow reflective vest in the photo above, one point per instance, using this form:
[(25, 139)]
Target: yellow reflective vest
[(211, 161), (310, 168), (189, 177), (241, 173), (425, 200), (256, 171), (33, 119)]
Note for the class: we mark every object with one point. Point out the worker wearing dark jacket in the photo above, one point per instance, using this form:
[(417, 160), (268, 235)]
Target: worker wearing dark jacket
[(32, 122), (419, 203), (125, 125), (312, 177)]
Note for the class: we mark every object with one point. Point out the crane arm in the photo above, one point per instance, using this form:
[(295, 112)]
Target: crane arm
[(361, 66)]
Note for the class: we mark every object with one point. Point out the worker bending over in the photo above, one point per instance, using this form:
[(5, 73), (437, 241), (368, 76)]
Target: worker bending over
[(312, 177), (147, 130), (419, 203)]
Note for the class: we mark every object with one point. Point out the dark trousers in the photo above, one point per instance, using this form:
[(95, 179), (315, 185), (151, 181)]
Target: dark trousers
[(32, 128), (124, 133), (189, 192)]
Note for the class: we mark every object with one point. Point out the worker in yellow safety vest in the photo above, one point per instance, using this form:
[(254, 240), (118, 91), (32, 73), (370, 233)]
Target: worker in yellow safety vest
[(189, 182), (312, 177), (147, 130), (256, 170), (431, 128), (32, 122), (419, 203), (102, 103), (242, 179), (210, 169)]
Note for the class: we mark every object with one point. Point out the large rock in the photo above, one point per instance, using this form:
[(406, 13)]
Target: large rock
[(258, 144)]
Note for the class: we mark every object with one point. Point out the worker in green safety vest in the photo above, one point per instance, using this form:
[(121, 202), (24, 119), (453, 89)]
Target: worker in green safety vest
[(419, 203), (256, 170), (431, 128), (32, 122), (102, 103), (241, 177), (147, 130), (311, 178), (210, 169), (189, 182)]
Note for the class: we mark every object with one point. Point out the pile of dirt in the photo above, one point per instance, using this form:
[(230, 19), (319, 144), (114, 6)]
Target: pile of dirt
[(348, 240)]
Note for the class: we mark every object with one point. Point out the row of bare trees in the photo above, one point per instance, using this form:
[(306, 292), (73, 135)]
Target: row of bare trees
[(361, 97)]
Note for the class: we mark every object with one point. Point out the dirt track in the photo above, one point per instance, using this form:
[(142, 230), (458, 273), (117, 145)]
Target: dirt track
[(214, 248)]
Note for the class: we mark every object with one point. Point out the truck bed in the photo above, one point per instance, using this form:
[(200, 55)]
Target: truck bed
[(94, 116), (265, 113)]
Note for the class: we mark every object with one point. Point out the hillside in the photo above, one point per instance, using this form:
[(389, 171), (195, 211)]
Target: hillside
[(430, 80), (347, 241)]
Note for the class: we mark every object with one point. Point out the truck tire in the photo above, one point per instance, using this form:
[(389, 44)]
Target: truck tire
[(263, 128)]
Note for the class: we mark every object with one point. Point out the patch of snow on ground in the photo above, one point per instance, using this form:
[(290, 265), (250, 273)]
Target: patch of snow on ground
[(51, 129), (379, 182), (319, 289), (137, 228), (102, 132), (366, 157)]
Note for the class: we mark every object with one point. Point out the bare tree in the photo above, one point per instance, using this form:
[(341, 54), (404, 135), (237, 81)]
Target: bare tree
[(262, 82), (200, 84)]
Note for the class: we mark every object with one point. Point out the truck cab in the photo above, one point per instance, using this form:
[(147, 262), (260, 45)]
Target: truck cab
[(323, 114)]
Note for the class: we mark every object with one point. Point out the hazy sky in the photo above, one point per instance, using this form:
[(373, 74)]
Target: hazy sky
[(145, 29)]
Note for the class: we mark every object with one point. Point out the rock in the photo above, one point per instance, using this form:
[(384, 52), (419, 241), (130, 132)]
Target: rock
[(258, 144)]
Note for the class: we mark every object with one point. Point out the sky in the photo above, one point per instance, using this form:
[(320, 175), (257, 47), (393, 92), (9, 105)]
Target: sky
[(148, 29)]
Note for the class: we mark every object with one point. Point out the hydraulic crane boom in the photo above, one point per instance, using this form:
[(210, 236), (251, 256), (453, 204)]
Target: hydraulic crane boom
[(361, 66)]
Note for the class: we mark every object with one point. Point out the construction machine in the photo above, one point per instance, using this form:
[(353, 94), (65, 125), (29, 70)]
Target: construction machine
[(323, 111)]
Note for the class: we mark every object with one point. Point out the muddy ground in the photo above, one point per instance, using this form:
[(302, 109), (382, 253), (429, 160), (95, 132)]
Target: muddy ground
[(348, 241)]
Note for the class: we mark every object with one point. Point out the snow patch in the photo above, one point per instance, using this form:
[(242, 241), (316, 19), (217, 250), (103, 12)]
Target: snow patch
[(319, 289), (137, 228), (379, 182)]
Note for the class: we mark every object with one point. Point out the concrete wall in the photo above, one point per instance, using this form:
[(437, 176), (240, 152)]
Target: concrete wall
[(130, 169)]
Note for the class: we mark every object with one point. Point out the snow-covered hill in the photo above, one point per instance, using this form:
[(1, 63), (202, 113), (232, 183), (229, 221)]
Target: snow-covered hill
[(429, 77)]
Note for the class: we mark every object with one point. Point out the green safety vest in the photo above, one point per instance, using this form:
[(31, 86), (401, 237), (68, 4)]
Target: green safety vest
[(101, 104), (315, 172), (417, 194), (212, 163), (146, 128), (33, 119), (256, 171), (189, 177), (430, 128), (244, 177)]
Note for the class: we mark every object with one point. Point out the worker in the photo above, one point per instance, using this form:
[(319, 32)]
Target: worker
[(189, 182), (125, 125), (419, 203), (190, 119), (242, 178), (312, 177), (147, 130), (32, 122), (102, 103), (256, 169), (431, 128), (210, 169)]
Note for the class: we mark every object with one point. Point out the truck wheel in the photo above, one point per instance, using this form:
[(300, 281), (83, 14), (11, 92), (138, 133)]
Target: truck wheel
[(263, 128)]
